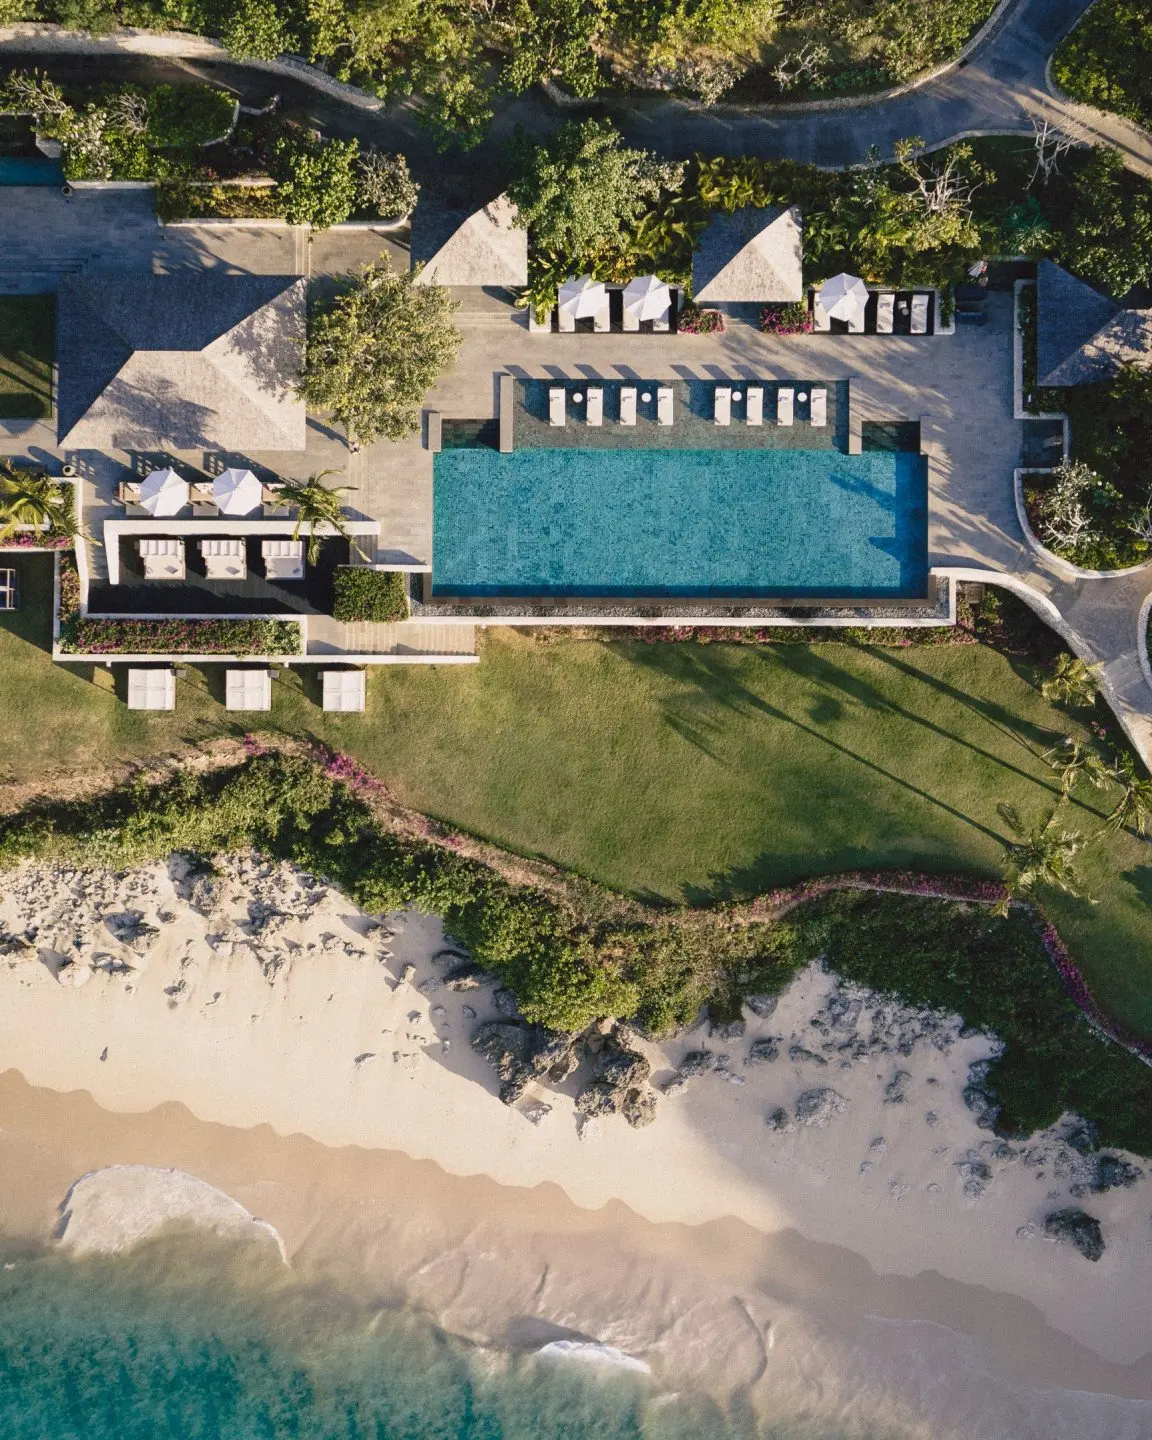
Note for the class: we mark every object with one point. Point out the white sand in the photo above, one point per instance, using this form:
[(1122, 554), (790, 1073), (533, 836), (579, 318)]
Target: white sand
[(882, 1266)]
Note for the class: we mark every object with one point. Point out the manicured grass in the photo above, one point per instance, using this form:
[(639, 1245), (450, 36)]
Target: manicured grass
[(27, 347), (683, 772)]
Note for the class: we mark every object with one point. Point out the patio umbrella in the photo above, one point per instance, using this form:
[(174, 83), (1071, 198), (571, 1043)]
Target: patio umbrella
[(844, 297), (583, 297), (236, 492), (163, 493), (646, 298)]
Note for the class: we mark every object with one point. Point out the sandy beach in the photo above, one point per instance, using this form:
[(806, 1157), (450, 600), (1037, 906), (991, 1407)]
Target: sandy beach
[(872, 1256)]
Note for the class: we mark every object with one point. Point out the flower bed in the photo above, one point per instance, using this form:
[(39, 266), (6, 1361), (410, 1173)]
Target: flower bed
[(1083, 518), (786, 319), (37, 540), (99, 635), (692, 320)]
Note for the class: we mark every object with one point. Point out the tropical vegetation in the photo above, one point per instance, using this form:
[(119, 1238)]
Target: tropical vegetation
[(318, 509), (362, 593), (1107, 59), (32, 501), (104, 635), (374, 351)]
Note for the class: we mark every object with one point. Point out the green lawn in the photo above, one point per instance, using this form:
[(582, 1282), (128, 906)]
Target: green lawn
[(684, 772), (27, 348)]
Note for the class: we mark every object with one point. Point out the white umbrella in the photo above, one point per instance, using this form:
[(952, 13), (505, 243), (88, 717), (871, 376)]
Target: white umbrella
[(582, 297), (236, 492), (647, 298), (843, 297), (163, 493)]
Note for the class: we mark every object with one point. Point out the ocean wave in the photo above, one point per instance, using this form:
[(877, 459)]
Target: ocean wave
[(589, 1352)]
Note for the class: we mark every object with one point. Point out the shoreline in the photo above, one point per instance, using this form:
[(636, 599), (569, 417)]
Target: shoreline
[(266, 1044)]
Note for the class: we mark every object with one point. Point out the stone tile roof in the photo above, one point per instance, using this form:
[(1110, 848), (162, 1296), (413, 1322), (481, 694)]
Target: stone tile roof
[(187, 360), (484, 248), (750, 255), (1068, 314)]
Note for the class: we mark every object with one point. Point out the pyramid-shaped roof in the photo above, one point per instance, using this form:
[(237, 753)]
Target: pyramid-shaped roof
[(191, 360), (485, 248), (1068, 314), (752, 255), (1125, 339)]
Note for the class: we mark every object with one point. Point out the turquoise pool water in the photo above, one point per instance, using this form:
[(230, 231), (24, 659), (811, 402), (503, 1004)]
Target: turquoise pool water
[(704, 523), (30, 170)]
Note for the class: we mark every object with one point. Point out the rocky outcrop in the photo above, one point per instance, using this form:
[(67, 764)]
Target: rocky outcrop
[(817, 1108), (763, 1052), (1076, 1228), (522, 1053), (619, 1084)]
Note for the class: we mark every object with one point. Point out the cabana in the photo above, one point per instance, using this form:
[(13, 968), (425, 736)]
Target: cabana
[(582, 299), (153, 688), (248, 689), (343, 690), (162, 558), (486, 248), (753, 256), (647, 298), (225, 559)]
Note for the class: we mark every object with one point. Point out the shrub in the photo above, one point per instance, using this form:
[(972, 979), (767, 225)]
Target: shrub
[(100, 635), (786, 319), (317, 180), (365, 594), (180, 200), (1107, 59), (385, 185), (187, 116), (692, 320)]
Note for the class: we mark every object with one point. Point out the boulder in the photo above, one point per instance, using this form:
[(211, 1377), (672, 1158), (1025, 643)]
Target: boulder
[(816, 1108), (504, 1002), (896, 1091), (727, 1029), (762, 1052), (762, 1006), (799, 1056), (697, 1062), (639, 1107), (778, 1120), (465, 977), (1109, 1172), (598, 1098), (1076, 1228)]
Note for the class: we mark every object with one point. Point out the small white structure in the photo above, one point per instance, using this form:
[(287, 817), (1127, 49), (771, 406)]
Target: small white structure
[(818, 414), (163, 493), (224, 559), (248, 689), (557, 402), (844, 297), (885, 312), (920, 314), (152, 689), (583, 299), (722, 405), (343, 690), (594, 413), (647, 298), (162, 557), (785, 398), (283, 559), (628, 404), (237, 492), (664, 407), (754, 408)]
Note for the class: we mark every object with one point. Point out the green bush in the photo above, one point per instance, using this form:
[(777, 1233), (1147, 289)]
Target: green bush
[(1107, 59), (317, 178), (188, 116), (364, 594)]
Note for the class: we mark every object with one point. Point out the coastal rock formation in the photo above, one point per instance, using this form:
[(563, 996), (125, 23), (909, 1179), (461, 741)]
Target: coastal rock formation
[(763, 1052), (1077, 1228), (817, 1108), (620, 1081)]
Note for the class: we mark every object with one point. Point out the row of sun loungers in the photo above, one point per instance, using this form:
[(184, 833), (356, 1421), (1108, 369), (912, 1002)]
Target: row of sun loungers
[(272, 507), (154, 688), (594, 405), (885, 315), (785, 405), (163, 558)]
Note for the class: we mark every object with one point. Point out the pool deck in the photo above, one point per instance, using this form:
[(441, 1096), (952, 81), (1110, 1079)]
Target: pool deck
[(958, 387)]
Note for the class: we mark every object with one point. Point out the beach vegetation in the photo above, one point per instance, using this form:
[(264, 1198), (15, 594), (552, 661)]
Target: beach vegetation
[(374, 351), (1043, 855), (1072, 682)]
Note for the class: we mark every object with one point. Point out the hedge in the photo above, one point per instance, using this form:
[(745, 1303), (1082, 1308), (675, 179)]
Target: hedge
[(365, 594), (97, 635)]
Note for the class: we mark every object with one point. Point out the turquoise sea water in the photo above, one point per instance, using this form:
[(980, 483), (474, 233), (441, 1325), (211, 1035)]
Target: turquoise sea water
[(703, 523), (191, 1340)]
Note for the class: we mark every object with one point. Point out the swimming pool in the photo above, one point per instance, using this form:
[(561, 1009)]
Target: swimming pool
[(703, 523), (30, 170)]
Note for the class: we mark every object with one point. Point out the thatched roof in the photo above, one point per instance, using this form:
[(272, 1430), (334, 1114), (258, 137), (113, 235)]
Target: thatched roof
[(1069, 314), (750, 255), (185, 361), (484, 248)]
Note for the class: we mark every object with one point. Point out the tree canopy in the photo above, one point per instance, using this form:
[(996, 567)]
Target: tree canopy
[(375, 351)]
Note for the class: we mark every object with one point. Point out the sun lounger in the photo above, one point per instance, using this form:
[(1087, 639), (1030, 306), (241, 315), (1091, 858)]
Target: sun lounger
[(556, 405), (594, 414), (664, 405), (272, 503), (631, 322), (602, 320), (247, 689), (856, 323), (722, 405), (566, 322), (343, 690), (885, 306), (152, 689), (163, 559), (224, 559), (920, 314), (628, 405), (283, 559), (128, 494), (202, 502), (754, 405), (818, 414), (785, 397), (820, 320)]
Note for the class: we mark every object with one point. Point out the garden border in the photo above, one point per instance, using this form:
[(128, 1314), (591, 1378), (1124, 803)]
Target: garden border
[(1076, 572)]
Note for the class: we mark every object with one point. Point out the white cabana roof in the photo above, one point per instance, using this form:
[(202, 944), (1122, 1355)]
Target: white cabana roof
[(488, 248), (647, 297), (582, 297), (163, 492), (844, 297), (236, 492)]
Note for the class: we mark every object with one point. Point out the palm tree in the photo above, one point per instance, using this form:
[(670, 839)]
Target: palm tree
[(1072, 682), (1044, 855), (33, 498), (316, 504), (1135, 805), (1072, 759)]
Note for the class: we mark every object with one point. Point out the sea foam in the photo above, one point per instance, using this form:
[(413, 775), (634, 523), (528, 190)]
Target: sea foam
[(591, 1353)]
